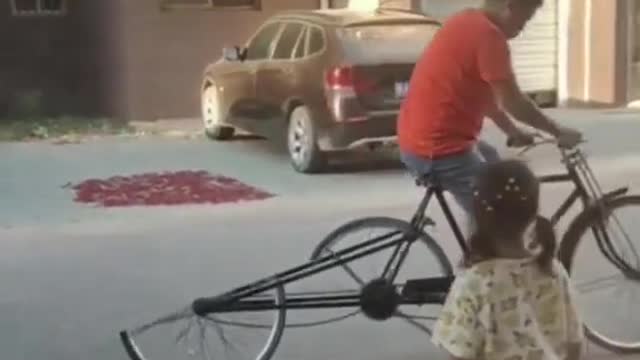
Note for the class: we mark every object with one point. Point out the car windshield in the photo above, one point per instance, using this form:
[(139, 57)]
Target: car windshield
[(375, 44)]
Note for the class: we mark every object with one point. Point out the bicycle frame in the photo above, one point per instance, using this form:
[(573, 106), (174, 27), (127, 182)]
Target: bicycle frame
[(413, 292), (572, 160), (239, 299), (433, 290)]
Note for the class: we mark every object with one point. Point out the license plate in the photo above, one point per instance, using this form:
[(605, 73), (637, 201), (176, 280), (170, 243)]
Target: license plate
[(401, 89)]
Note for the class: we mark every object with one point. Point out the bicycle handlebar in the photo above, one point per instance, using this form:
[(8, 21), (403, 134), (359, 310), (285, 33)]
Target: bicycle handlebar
[(543, 141)]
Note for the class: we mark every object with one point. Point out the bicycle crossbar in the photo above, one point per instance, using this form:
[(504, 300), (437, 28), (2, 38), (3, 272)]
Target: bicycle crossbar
[(350, 298), (207, 305)]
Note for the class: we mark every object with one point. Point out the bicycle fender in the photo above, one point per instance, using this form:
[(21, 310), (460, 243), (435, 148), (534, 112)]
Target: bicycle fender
[(566, 245)]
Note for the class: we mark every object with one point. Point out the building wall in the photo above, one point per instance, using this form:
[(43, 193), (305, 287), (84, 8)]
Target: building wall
[(598, 36), (163, 53), (634, 52), (56, 56)]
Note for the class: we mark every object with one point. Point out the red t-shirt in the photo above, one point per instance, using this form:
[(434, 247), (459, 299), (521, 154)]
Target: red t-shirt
[(449, 93)]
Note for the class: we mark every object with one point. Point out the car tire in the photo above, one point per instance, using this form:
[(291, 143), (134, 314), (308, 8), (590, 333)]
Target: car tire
[(302, 142), (214, 128)]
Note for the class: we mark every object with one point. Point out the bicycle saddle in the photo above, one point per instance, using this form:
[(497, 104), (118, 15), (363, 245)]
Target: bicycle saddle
[(426, 180)]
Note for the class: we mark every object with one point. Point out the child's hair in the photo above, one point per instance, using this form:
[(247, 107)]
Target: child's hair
[(506, 200)]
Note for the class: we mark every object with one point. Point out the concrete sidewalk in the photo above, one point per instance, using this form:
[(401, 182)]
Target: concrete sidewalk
[(580, 117)]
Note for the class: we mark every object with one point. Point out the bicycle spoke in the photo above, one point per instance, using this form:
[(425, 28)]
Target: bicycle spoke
[(393, 264), (169, 319), (348, 270), (413, 322), (182, 334), (630, 246), (210, 337), (228, 345), (204, 345), (592, 285)]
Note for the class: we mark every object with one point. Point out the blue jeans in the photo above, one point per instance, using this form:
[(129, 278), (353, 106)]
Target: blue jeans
[(455, 173)]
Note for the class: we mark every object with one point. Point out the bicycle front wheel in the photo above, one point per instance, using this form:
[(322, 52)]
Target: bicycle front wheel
[(601, 251)]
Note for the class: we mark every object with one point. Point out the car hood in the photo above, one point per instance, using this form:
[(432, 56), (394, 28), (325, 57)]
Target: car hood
[(221, 66)]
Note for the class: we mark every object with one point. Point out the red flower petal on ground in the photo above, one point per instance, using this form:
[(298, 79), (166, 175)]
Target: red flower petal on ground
[(166, 188)]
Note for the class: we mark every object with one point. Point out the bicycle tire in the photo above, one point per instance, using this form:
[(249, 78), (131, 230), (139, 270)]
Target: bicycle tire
[(405, 227), (275, 336), (566, 253)]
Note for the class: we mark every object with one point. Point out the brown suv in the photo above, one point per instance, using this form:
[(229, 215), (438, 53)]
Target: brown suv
[(323, 80)]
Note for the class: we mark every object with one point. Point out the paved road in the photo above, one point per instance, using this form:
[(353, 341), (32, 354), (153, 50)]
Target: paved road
[(72, 276)]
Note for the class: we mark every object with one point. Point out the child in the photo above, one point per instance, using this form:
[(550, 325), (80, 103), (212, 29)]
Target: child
[(509, 303)]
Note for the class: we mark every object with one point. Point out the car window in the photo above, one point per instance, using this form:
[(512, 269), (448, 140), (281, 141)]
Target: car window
[(316, 40), (398, 43), (301, 44), (287, 40), (262, 43)]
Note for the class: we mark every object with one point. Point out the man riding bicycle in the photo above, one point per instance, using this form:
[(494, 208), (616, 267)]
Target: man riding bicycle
[(464, 75)]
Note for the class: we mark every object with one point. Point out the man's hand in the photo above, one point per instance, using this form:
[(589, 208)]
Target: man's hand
[(520, 138), (567, 137), (516, 137)]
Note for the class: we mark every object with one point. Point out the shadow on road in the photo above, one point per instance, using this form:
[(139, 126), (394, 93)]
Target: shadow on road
[(246, 137), (341, 162), (364, 161)]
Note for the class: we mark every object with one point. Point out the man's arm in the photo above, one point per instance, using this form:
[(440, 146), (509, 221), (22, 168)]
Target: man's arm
[(503, 122), (511, 99), (493, 60)]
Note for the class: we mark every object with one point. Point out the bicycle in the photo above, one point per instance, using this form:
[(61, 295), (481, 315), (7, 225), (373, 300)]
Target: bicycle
[(380, 298)]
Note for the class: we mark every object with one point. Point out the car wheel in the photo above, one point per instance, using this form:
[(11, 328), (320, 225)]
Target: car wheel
[(305, 155), (214, 129)]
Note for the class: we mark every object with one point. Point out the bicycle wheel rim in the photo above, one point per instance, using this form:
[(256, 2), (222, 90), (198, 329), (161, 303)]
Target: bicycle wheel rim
[(135, 350), (577, 240)]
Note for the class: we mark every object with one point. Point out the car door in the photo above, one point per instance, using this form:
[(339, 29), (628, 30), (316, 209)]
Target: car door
[(258, 50), (275, 79)]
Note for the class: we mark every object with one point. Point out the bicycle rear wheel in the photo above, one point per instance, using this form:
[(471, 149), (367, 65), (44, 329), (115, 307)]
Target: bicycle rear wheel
[(608, 259), (428, 254), (195, 335)]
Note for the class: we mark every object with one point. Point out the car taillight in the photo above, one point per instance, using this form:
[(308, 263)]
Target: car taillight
[(347, 78)]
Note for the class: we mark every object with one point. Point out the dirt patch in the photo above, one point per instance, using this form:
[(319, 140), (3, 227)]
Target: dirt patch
[(61, 130)]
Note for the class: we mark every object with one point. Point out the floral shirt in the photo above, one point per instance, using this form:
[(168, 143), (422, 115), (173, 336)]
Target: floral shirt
[(508, 309)]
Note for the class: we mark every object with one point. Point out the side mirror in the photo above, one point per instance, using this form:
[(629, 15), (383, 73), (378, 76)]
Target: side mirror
[(233, 53), (230, 53)]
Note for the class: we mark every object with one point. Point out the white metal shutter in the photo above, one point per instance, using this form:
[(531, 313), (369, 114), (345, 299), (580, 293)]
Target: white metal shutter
[(534, 51)]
